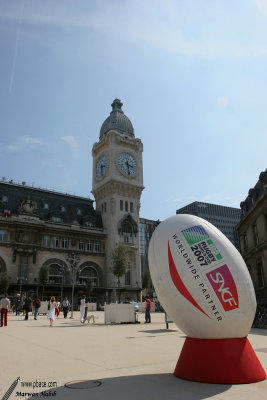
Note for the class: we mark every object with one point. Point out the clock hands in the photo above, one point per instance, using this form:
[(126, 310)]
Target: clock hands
[(128, 165)]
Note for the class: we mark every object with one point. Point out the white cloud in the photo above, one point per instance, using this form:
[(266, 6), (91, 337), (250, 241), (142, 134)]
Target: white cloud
[(222, 102), (262, 5), (22, 144), (70, 140), (160, 25)]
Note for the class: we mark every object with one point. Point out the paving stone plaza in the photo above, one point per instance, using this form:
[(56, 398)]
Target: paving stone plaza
[(124, 361)]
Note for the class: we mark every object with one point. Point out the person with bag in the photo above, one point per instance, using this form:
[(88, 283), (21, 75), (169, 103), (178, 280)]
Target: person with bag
[(51, 310), (36, 304)]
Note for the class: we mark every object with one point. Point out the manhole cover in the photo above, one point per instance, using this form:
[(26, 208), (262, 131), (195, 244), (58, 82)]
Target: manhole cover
[(83, 384)]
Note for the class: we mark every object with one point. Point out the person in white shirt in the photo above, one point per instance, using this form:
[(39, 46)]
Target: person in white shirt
[(5, 307)]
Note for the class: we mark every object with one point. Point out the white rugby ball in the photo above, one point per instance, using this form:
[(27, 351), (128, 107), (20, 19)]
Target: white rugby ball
[(201, 279)]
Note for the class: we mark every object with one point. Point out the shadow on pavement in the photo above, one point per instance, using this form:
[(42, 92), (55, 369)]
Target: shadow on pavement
[(141, 387)]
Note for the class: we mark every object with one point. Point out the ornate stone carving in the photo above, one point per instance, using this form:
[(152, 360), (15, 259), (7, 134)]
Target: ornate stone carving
[(28, 207)]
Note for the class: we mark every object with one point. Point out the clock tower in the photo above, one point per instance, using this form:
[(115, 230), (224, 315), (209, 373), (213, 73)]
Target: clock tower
[(117, 188)]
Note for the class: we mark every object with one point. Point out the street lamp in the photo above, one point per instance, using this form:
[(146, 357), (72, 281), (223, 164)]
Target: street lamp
[(73, 259), (20, 280)]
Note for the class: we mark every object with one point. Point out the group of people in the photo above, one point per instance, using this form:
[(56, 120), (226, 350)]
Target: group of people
[(24, 305), (54, 308)]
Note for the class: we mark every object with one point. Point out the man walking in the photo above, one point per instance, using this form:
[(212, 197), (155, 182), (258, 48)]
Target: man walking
[(36, 304), (148, 308), (5, 307), (17, 304), (65, 306)]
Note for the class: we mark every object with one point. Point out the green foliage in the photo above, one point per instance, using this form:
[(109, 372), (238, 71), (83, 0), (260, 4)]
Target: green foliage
[(119, 261), (146, 280), (4, 282)]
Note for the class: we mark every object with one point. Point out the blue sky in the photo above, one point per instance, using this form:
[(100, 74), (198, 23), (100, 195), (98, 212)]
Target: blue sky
[(190, 73)]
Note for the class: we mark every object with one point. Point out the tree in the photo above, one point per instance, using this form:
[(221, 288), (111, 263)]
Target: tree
[(119, 262), (4, 282), (43, 278), (146, 280)]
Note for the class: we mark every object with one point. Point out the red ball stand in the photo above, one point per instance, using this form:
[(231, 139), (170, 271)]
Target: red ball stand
[(228, 361)]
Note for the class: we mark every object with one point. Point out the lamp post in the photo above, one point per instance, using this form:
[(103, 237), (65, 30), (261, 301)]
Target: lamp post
[(20, 280), (73, 259)]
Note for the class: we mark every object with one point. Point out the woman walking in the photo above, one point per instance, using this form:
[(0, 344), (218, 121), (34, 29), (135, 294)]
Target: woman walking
[(82, 308), (51, 313)]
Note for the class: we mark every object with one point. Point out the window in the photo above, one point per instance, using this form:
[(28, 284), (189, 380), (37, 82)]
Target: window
[(81, 245), (64, 243), (88, 274), (121, 205), (3, 235), (79, 212), (46, 206), (4, 199), (245, 243), (89, 246), (131, 207), (97, 246), (102, 208), (88, 224), (255, 235), (23, 269), (128, 276), (55, 241), (56, 219), (46, 241), (126, 206), (105, 207), (62, 208), (126, 238), (260, 273), (55, 274)]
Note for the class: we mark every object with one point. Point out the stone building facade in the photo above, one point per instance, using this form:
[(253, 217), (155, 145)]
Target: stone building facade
[(65, 233), (253, 236)]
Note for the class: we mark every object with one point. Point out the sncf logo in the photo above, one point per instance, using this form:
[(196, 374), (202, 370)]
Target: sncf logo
[(224, 286)]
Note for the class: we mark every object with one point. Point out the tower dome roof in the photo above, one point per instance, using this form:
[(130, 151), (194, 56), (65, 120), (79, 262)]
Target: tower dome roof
[(117, 121)]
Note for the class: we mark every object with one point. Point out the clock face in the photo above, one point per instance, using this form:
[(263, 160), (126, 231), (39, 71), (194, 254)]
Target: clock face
[(101, 166), (127, 164)]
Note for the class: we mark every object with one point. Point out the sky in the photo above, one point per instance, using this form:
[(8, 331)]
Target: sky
[(191, 75)]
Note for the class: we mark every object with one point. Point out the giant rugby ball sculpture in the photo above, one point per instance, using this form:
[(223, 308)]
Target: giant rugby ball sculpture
[(203, 284)]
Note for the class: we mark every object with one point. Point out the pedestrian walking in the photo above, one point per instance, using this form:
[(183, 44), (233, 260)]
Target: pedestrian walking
[(22, 302), (5, 307), (57, 310), (82, 308), (148, 308), (65, 307), (27, 307), (51, 310), (36, 304), (17, 303)]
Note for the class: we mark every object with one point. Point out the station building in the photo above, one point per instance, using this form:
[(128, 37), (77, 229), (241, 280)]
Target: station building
[(65, 233)]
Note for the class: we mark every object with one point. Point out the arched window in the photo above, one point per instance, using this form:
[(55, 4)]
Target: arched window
[(88, 274), (55, 274)]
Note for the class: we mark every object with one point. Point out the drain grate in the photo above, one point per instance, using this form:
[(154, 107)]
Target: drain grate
[(83, 384)]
